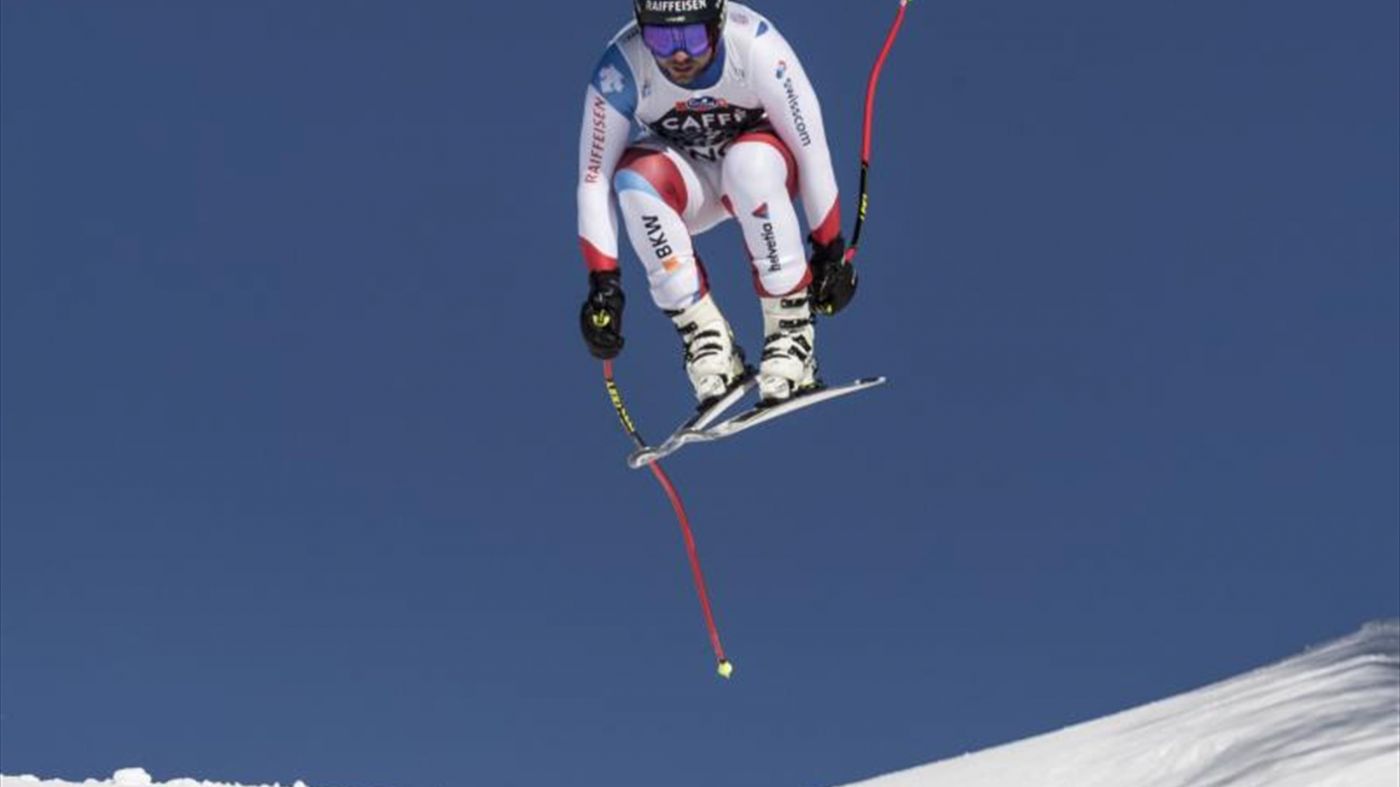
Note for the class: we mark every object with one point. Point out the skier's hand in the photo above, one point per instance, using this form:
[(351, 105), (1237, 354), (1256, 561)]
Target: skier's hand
[(833, 278), (601, 318)]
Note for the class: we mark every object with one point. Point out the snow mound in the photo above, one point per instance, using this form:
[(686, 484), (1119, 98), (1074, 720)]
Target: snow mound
[(126, 777), (1329, 717)]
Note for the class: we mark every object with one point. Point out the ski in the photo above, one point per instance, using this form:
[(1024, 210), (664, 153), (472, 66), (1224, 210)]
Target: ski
[(697, 430), (696, 423), (762, 414)]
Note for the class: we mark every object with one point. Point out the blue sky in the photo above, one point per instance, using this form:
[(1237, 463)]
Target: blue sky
[(307, 474)]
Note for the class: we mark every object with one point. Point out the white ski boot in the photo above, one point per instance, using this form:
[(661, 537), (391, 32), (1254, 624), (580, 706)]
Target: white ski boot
[(789, 364), (713, 361)]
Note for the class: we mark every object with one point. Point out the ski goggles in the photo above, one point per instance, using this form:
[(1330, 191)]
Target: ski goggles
[(666, 40)]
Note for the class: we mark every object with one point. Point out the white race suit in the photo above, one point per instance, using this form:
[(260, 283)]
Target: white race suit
[(742, 140)]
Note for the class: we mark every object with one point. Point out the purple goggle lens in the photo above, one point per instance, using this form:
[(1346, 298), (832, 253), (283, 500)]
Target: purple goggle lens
[(667, 40)]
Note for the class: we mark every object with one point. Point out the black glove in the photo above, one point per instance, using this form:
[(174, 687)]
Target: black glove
[(601, 319), (833, 278)]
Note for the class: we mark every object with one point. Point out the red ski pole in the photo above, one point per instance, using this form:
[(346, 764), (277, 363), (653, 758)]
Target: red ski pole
[(724, 666), (869, 121)]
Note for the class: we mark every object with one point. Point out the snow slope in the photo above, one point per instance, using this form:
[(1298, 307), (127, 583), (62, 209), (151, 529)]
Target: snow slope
[(1327, 718)]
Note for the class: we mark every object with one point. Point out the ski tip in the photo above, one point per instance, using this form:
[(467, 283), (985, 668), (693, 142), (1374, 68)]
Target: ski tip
[(725, 669)]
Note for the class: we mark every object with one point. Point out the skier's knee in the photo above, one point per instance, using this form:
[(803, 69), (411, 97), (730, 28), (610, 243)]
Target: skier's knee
[(650, 171), (758, 167)]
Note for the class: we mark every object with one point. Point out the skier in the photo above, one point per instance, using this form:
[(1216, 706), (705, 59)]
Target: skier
[(700, 111)]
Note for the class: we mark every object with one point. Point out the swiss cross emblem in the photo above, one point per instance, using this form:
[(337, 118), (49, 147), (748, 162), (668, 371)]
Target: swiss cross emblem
[(610, 80)]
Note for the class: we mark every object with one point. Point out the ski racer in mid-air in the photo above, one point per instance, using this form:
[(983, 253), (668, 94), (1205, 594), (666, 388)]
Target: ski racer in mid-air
[(700, 111)]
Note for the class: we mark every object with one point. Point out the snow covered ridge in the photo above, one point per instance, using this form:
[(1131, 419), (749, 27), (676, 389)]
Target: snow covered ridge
[(126, 777), (1327, 718)]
